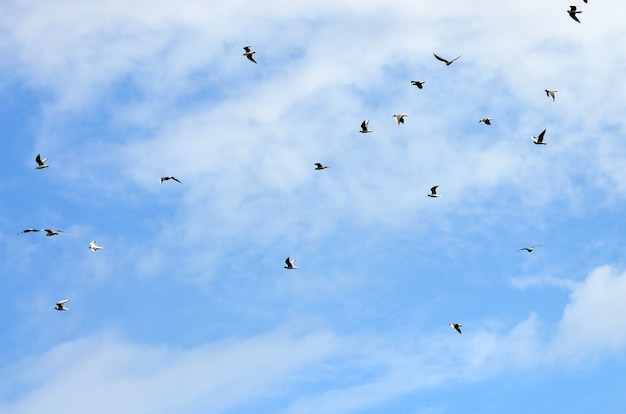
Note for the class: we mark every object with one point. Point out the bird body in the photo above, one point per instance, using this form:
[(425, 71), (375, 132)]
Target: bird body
[(248, 53), (486, 121), (41, 163), (364, 126), (168, 178), (551, 94), (573, 12), (419, 84), (60, 306), (94, 247), (539, 140), (290, 264), (433, 192), (446, 61), (400, 118), (456, 327)]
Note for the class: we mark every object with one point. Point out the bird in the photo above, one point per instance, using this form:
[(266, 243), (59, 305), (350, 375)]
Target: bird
[(50, 233), (168, 178), (60, 306), (573, 12), (400, 118), (539, 140), (94, 247), (457, 327), (364, 129), (28, 231), (486, 121), (319, 166), (551, 94), (528, 249), (433, 192), (448, 62), (419, 84), (249, 53), (290, 264), (41, 163), (584, 1)]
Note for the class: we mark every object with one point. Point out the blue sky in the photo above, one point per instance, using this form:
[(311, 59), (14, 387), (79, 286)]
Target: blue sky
[(188, 307)]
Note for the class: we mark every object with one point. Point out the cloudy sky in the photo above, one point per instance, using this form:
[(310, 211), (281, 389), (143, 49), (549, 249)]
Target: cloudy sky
[(188, 307)]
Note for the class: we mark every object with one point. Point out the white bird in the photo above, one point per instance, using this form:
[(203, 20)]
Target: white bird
[(60, 306), (41, 163), (249, 53), (419, 84), (551, 94), (94, 247), (50, 233), (457, 327), (400, 118), (169, 178), (447, 62), (573, 12), (486, 121), (364, 129), (28, 231), (433, 192), (539, 140), (319, 166), (290, 264), (529, 249)]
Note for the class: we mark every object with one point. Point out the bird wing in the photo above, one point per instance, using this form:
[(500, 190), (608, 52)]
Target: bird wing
[(540, 137), (455, 58), (246, 48), (364, 125), (251, 58), (61, 302), (433, 190), (176, 179), (440, 58)]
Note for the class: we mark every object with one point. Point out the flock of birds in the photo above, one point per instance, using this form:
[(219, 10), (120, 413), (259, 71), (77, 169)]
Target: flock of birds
[(400, 120)]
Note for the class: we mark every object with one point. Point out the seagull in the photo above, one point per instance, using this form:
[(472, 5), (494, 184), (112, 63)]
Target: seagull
[(289, 264), (41, 163), (448, 62), (433, 192), (529, 249), (400, 118), (486, 121), (573, 12), (28, 231), (319, 166), (457, 327), (249, 53), (364, 129), (551, 93), (60, 306), (168, 178), (539, 140), (419, 84), (93, 246), (50, 233)]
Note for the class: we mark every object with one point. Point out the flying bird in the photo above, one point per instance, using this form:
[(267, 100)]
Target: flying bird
[(457, 327), (50, 233), (539, 140), (528, 249), (364, 129), (28, 231), (60, 306), (94, 247), (319, 166), (433, 192), (41, 163), (447, 62), (573, 12), (551, 94), (486, 121), (419, 84), (249, 53), (290, 264), (168, 178), (400, 118)]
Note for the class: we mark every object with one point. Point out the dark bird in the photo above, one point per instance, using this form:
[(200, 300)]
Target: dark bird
[(364, 126), (290, 264), (41, 163), (528, 249), (433, 192), (447, 62), (456, 327), (486, 121), (50, 233), (60, 306), (28, 231), (169, 178), (249, 53), (573, 12), (319, 166), (419, 84), (539, 140)]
